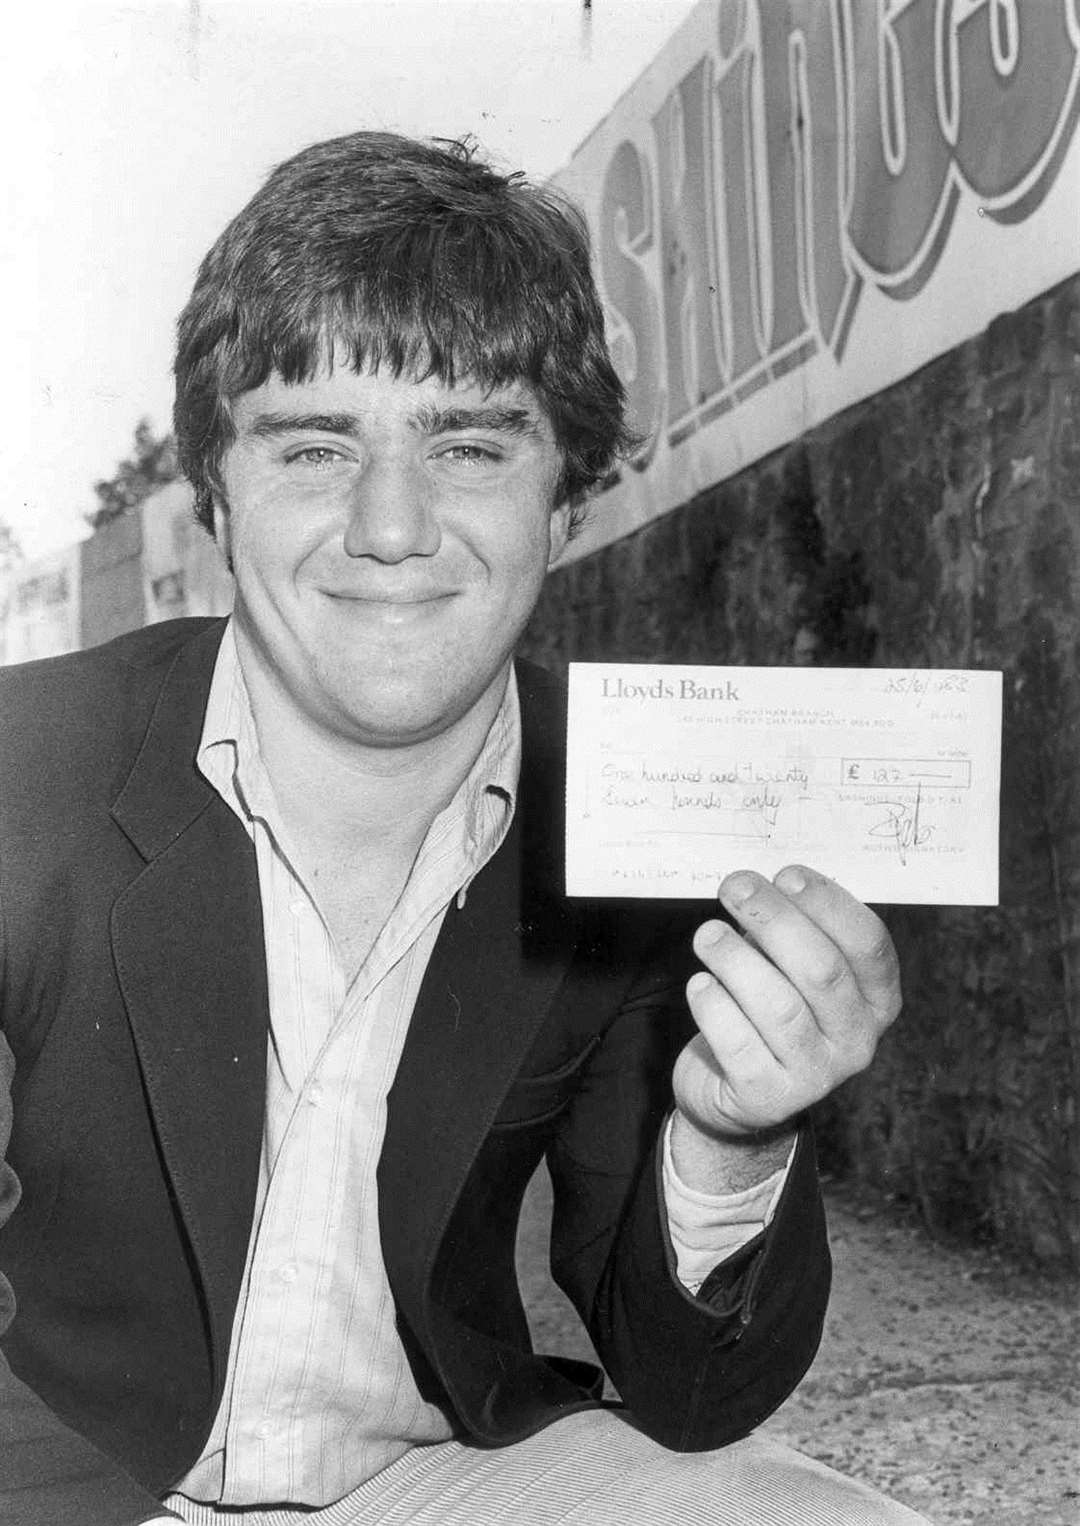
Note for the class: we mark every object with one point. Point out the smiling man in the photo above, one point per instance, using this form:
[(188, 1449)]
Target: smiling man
[(294, 1004)]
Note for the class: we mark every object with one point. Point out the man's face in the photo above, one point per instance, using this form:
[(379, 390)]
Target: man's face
[(389, 539)]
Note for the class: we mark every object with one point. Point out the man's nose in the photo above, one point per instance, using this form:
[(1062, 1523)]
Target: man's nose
[(392, 514)]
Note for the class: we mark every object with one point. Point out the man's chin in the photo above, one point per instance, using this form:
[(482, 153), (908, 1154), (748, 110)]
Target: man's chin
[(392, 714)]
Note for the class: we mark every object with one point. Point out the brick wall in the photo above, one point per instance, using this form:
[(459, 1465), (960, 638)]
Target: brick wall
[(937, 524)]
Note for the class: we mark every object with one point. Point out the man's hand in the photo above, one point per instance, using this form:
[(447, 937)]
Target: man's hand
[(787, 1010)]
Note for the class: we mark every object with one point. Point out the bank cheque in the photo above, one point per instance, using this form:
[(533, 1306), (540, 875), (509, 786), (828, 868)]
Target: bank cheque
[(886, 779)]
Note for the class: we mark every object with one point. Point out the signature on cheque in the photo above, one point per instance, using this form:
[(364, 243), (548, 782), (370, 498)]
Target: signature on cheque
[(903, 823)]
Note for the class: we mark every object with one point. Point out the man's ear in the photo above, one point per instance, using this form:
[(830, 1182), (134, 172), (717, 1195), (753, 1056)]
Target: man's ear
[(222, 529), (559, 532)]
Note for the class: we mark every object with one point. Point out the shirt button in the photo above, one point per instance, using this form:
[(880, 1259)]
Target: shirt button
[(297, 908), (289, 1272), (315, 1094), (264, 1429)]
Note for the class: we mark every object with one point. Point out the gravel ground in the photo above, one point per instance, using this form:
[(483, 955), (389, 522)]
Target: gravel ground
[(944, 1379)]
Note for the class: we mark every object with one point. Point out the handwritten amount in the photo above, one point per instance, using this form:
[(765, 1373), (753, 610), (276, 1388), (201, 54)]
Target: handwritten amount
[(746, 774)]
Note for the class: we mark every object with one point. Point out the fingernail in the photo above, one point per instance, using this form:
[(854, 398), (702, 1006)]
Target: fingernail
[(711, 932), (738, 888), (791, 881)]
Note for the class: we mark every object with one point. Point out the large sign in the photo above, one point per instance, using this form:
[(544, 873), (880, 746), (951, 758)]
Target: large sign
[(802, 201)]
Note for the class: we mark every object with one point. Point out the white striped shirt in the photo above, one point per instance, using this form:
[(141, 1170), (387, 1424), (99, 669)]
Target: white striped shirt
[(319, 1395)]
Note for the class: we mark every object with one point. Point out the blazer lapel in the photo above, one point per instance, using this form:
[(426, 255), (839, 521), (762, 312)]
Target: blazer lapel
[(188, 946), (496, 968)]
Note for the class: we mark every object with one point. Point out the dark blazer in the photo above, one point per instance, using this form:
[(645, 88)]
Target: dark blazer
[(134, 1002)]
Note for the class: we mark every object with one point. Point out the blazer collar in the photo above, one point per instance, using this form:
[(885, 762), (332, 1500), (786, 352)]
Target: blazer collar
[(542, 790), (187, 947), (165, 792)]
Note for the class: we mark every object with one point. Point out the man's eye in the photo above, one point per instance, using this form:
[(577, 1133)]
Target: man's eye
[(315, 455), (470, 454)]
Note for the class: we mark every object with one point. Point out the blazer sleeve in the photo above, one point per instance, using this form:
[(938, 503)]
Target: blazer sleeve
[(48, 1474), (699, 1371)]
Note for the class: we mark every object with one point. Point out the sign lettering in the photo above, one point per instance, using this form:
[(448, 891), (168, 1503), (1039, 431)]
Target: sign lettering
[(781, 164)]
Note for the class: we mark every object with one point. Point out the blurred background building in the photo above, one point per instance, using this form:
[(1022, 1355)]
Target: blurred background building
[(152, 562)]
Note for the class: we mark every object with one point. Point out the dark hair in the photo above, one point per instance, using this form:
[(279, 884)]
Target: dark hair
[(410, 255)]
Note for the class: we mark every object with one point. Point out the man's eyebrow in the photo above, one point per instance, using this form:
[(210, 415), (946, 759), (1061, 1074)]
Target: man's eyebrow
[(430, 419), (456, 418), (269, 425)]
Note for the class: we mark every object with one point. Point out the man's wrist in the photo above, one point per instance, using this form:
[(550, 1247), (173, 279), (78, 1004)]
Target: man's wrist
[(719, 1164)]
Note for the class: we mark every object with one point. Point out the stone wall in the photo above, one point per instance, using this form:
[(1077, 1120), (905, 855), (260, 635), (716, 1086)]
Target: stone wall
[(935, 525)]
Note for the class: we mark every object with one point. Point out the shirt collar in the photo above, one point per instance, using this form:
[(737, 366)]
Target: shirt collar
[(228, 753)]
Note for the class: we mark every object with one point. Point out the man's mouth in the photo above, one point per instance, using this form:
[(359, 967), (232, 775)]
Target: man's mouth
[(390, 608), (391, 597)]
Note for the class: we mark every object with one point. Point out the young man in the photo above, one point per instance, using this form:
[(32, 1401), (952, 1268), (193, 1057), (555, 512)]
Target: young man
[(293, 1000)]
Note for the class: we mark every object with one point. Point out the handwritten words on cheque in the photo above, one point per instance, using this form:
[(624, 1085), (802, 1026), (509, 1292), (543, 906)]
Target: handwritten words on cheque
[(887, 780)]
